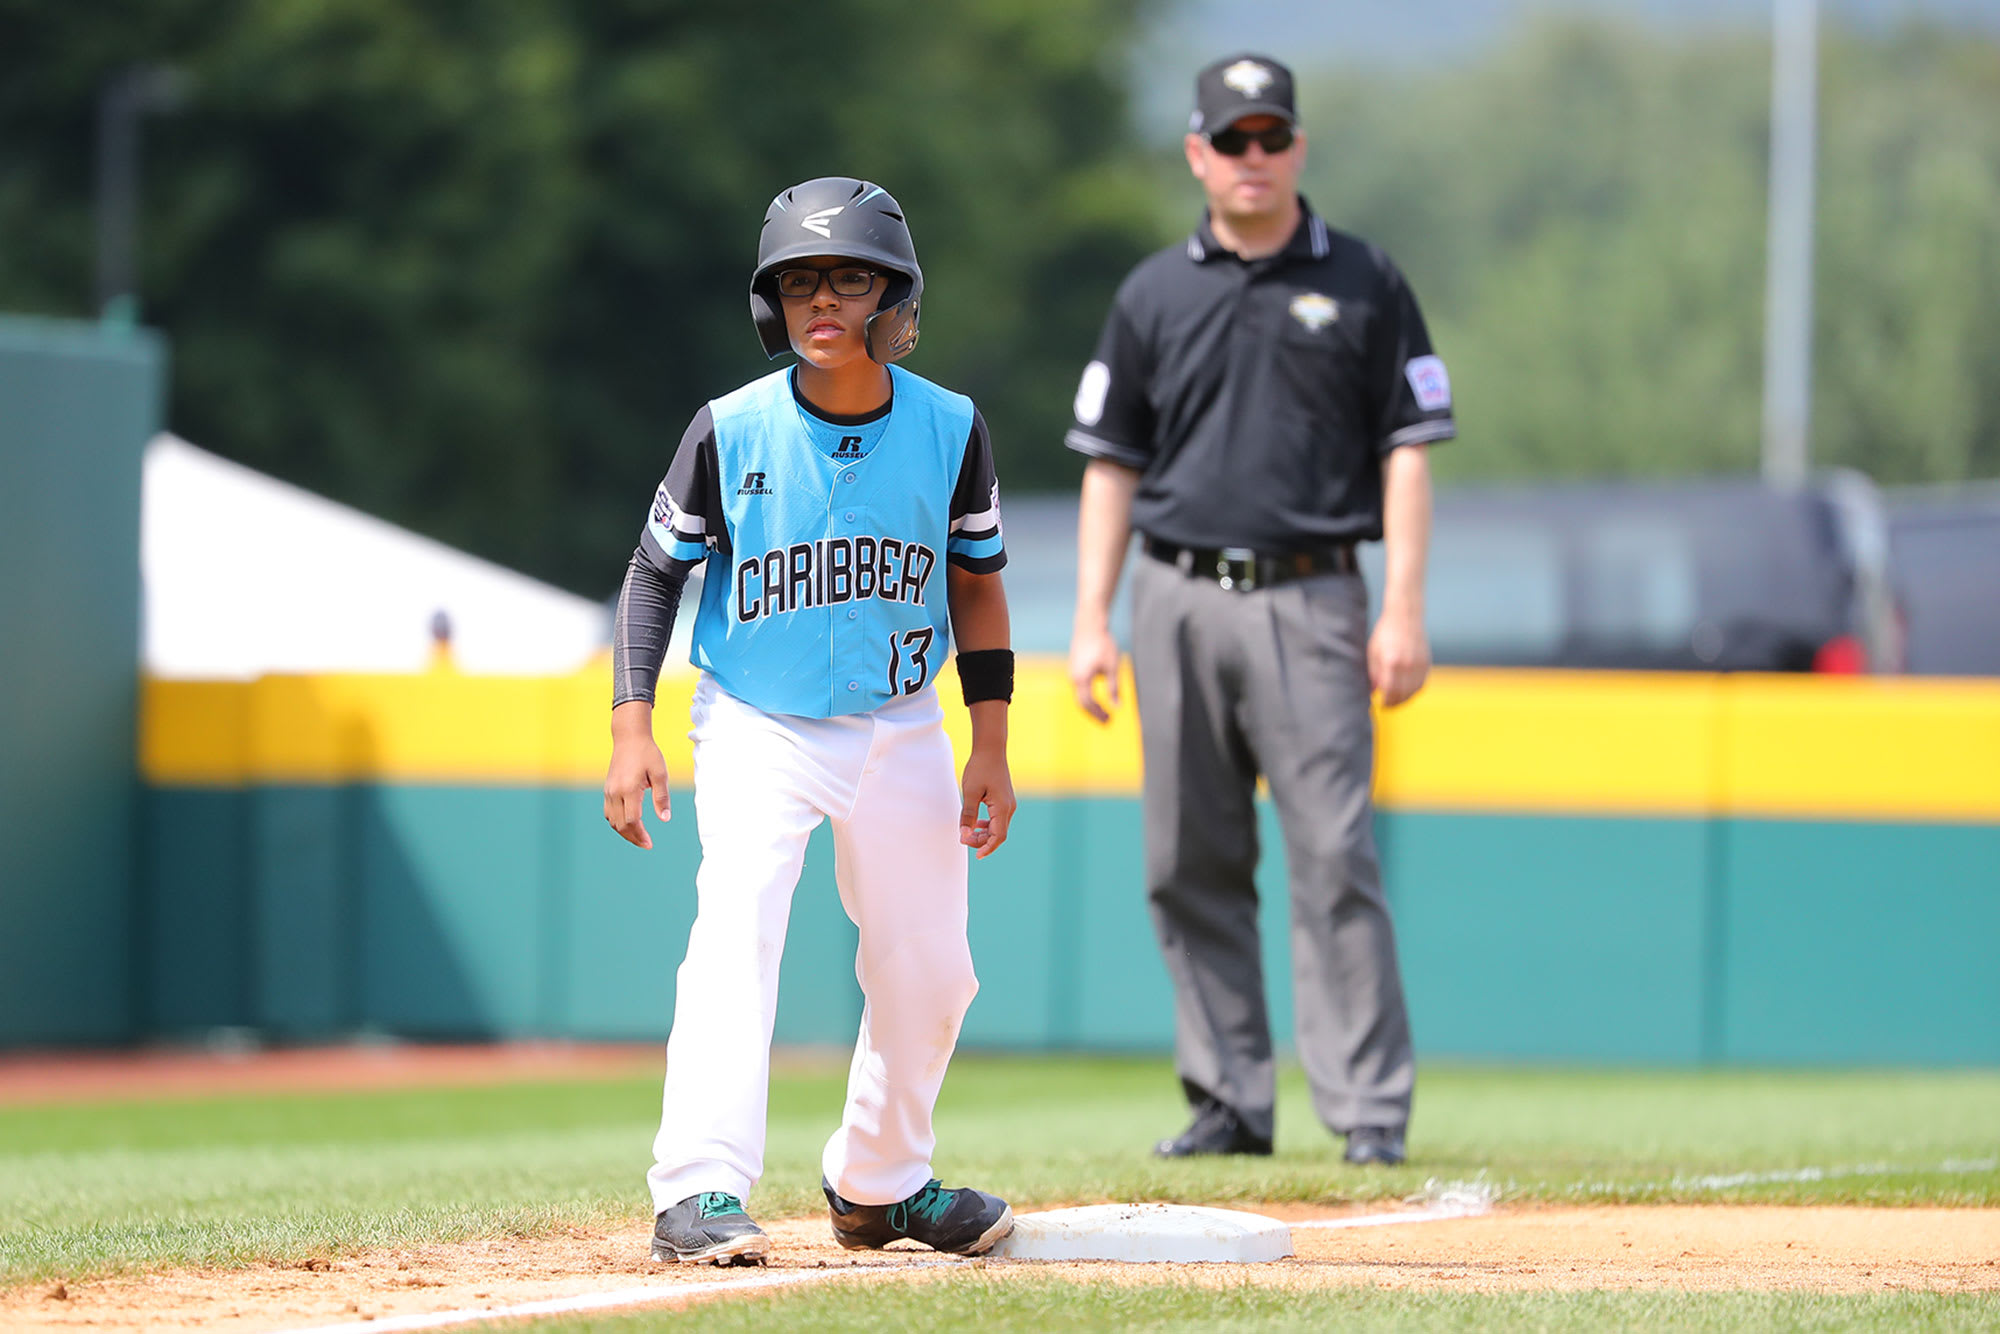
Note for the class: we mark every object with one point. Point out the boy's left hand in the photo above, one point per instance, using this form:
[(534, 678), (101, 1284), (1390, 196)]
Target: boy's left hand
[(986, 782)]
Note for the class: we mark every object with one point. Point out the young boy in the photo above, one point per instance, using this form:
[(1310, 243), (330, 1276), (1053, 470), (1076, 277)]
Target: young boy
[(849, 517)]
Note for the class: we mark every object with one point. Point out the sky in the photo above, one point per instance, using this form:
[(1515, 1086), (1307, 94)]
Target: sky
[(1325, 34), (1418, 31)]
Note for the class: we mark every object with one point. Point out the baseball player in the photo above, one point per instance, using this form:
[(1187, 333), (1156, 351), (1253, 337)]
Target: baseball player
[(849, 517)]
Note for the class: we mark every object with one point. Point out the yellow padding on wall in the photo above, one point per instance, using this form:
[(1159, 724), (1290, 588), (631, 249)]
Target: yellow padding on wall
[(441, 726), (1052, 746), (1566, 741), (194, 733), (437, 726), (1554, 742), (1865, 748), (434, 726)]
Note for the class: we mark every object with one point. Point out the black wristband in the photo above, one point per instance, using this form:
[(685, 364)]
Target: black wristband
[(986, 673)]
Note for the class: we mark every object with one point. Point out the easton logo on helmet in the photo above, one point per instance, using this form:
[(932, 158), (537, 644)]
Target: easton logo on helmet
[(817, 222)]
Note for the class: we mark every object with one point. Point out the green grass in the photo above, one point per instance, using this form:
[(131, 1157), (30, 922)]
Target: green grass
[(96, 1188), (1051, 1305)]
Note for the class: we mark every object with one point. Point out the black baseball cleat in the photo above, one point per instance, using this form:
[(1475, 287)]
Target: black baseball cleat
[(1375, 1144), (710, 1226), (960, 1221), (1216, 1129)]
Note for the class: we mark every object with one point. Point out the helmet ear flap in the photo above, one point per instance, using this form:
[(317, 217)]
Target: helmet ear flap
[(891, 333), (770, 321)]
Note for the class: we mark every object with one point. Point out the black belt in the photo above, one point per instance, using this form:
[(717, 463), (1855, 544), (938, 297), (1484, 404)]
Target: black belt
[(1244, 570)]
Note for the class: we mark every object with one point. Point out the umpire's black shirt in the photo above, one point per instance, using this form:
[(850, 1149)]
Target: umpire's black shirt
[(1258, 397)]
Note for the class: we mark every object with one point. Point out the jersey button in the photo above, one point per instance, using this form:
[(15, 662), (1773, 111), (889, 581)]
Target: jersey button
[(854, 685), (850, 516), (847, 477), (852, 614)]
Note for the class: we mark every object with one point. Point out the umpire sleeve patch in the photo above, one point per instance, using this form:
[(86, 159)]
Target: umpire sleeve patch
[(1429, 382), (1090, 392)]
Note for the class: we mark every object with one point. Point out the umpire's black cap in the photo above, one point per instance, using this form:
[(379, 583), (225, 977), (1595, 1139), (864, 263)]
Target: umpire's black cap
[(1238, 86)]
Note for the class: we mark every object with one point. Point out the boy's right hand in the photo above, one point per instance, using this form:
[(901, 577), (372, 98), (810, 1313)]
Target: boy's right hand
[(636, 765)]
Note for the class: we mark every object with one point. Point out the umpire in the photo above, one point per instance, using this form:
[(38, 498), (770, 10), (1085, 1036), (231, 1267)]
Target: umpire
[(1259, 402)]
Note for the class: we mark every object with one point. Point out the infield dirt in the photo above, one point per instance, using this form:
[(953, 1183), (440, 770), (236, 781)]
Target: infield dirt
[(1832, 1249), (1683, 1248)]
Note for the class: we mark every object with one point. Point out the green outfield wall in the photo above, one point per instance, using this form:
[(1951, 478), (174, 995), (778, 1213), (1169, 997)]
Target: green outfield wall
[(77, 405), (1583, 867)]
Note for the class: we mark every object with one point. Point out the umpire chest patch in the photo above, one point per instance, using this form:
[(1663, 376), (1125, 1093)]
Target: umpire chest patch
[(1314, 310)]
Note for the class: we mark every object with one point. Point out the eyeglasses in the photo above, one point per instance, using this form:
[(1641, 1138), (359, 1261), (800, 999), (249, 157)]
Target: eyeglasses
[(1233, 142), (850, 280)]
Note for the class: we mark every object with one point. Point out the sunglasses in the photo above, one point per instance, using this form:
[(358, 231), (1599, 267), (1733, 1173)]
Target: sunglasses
[(1233, 142), (848, 280)]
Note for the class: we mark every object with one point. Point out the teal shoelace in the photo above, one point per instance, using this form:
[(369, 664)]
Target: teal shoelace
[(715, 1202), (930, 1203)]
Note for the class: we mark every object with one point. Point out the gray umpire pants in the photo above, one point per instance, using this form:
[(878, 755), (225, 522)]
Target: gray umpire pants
[(1274, 682)]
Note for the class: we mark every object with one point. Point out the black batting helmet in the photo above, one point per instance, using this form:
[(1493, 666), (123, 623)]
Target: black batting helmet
[(838, 215)]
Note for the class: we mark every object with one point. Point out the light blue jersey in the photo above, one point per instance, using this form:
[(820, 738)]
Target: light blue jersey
[(826, 540)]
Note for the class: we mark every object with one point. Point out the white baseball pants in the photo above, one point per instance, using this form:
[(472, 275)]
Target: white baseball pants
[(762, 784)]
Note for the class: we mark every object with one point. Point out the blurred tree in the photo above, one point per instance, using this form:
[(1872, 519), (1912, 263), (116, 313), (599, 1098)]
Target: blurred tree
[(472, 264), (1583, 215)]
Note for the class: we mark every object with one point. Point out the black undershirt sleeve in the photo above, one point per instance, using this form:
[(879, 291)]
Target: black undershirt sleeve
[(643, 624)]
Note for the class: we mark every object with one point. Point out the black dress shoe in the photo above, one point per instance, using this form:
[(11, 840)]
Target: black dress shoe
[(1216, 1129), (1375, 1144)]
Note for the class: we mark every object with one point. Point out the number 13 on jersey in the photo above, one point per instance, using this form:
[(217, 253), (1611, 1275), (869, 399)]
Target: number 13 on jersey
[(912, 649)]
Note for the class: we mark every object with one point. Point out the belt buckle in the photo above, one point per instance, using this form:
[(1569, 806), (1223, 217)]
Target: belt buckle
[(1242, 556)]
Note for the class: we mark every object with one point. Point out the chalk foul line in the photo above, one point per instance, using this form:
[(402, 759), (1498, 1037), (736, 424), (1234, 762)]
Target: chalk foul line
[(1732, 1180), (1440, 1201), (598, 1301)]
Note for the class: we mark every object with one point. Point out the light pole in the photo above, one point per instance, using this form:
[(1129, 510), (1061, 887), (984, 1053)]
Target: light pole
[(1789, 244), (125, 97)]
